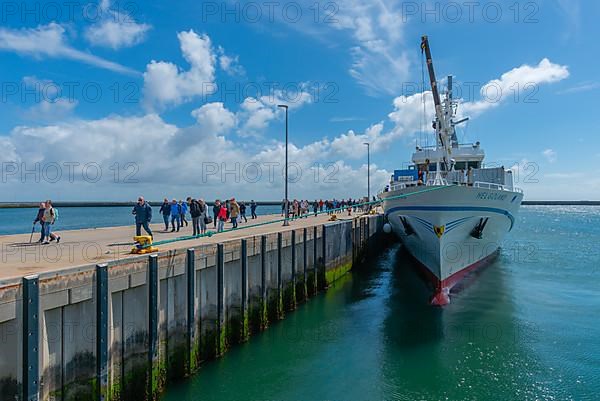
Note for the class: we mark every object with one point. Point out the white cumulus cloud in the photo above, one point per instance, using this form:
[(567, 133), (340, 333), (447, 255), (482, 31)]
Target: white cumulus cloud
[(117, 31), (230, 64), (214, 117), (259, 112), (49, 105), (166, 84), (175, 161), (521, 79)]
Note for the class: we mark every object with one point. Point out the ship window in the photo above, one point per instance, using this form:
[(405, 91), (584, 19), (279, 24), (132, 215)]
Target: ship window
[(460, 166)]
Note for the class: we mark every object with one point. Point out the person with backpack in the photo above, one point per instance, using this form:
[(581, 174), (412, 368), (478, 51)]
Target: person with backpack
[(175, 215), (54, 236), (253, 209), (165, 210), (204, 217), (49, 218), (183, 209), (243, 212), (216, 208), (143, 216), (195, 213)]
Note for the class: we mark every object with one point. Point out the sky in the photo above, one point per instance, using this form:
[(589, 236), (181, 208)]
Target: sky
[(111, 100)]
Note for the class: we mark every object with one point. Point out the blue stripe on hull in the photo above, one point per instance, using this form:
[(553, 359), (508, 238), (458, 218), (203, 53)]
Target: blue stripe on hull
[(456, 209)]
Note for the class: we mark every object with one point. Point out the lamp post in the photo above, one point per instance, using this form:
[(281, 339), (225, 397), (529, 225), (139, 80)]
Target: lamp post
[(286, 221), (368, 171)]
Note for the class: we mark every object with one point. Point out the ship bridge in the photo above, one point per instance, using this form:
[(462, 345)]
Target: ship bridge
[(463, 157)]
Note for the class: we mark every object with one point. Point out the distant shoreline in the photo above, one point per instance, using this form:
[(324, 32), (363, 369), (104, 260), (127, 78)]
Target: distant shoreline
[(24, 205)]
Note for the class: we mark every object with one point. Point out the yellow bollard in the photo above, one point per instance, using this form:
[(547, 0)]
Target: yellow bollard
[(143, 244)]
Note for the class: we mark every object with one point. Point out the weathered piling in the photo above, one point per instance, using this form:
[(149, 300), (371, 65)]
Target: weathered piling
[(124, 330)]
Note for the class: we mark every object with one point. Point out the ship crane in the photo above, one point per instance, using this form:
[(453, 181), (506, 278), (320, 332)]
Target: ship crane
[(443, 124)]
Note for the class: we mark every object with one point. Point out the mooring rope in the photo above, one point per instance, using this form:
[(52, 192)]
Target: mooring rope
[(280, 220)]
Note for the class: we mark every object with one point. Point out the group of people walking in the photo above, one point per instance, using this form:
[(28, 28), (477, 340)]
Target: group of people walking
[(175, 212), (231, 210), (302, 208)]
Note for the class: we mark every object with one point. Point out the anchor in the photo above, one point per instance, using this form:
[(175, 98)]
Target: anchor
[(408, 230), (478, 230)]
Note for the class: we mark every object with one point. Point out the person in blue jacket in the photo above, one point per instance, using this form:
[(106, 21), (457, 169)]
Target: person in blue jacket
[(175, 215), (183, 209), (143, 216)]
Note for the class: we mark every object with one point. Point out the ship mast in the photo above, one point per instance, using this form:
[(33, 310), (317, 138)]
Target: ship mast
[(443, 122)]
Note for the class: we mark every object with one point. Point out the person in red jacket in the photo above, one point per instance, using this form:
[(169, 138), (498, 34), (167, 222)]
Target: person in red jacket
[(221, 217)]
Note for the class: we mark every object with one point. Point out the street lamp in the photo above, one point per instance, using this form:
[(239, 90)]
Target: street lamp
[(286, 221), (368, 171)]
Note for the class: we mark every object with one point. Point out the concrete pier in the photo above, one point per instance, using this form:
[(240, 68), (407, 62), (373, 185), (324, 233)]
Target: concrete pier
[(123, 327)]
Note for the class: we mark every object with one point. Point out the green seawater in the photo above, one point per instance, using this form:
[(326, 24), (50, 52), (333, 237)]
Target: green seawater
[(527, 327)]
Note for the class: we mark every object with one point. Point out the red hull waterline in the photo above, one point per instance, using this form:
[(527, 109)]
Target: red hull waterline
[(441, 294)]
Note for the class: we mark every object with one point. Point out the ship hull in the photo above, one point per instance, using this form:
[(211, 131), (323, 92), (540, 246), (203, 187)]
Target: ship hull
[(451, 230)]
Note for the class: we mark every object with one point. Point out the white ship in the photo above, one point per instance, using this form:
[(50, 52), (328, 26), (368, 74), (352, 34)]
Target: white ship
[(459, 211)]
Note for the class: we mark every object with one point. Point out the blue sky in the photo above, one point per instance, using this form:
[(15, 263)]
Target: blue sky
[(169, 95)]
